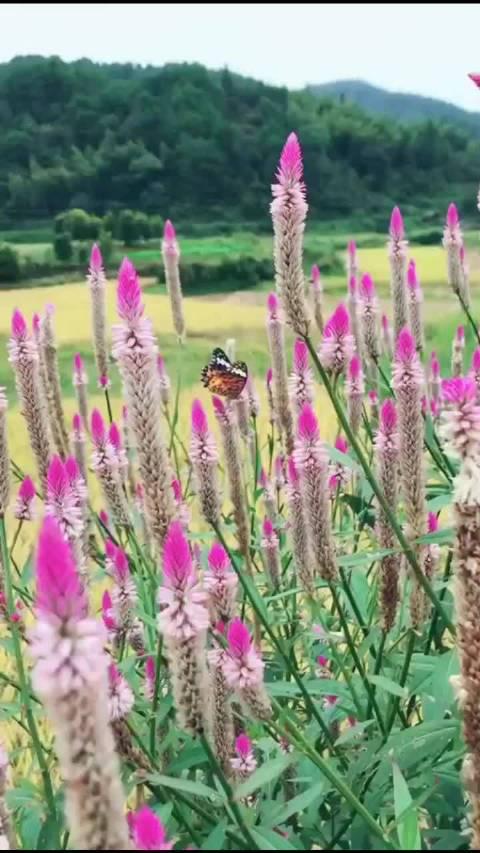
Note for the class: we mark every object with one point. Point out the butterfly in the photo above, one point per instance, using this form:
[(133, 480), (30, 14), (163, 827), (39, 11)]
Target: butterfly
[(223, 377)]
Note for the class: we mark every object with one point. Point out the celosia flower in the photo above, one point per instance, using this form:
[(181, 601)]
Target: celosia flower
[(435, 379), (120, 695), (475, 370), (458, 350), (234, 466), (461, 427), (289, 210), (221, 583), (183, 620), (276, 341), (205, 458), (271, 401), (62, 501), (415, 305), (244, 762), (135, 349), (408, 379), (97, 281), (355, 389), (397, 248), (271, 552), (105, 462), (23, 354), (268, 493), (25, 498), (339, 474), (301, 546), (50, 373), (453, 242), (164, 380), (311, 459), (108, 615), (243, 668), (354, 313), (338, 346), (387, 450), (301, 379), (148, 831), (171, 257), (369, 303), (317, 293)]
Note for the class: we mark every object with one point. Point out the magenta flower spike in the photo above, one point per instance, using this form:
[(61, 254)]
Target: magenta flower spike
[(148, 831), (300, 382), (171, 256), (387, 450), (62, 501), (369, 322), (108, 617), (205, 457), (114, 437), (408, 381), (311, 459), (97, 283), (96, 260), (271, 553), (458, 351), (453, 243), (338, 344), (289, 210), (415, 306), (244, 762), (397, 248), (59, 592), (355, 389), (129, 294), (397, 228), (183, 620), (25, 498), (243, 670), (98, 428), (221, 584)]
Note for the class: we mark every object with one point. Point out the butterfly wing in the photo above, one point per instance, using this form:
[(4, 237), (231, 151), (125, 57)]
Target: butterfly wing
[(222, 377)]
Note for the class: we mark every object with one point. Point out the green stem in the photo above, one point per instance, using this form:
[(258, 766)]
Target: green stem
[(403, 679), (22, 679), (377, 667), (109, 406), (472, 322), (278, 645), (443, 592), (358, 663), (236, 811), (406, 547), (332, 776)]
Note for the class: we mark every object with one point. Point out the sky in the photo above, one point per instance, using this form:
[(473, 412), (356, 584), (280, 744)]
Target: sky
[(405, 47)]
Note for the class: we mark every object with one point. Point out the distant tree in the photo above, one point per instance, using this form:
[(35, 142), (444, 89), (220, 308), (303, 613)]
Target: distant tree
[(63, 247), (9, 264)]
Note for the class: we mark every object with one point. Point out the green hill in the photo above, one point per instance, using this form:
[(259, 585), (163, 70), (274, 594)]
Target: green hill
[(202, 146)]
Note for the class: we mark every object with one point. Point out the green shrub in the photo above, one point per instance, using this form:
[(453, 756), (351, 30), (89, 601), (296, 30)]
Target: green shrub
[(9, 264), (63, 247)]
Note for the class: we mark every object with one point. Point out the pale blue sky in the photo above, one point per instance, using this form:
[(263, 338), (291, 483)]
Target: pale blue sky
[(405, 47)]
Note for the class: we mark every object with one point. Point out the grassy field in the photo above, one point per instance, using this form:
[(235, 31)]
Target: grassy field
[(210, 322)]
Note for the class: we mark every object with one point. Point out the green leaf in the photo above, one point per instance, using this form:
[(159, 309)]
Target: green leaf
[(353, 732), (268, 840), (216, 839), (439, 501), (266, 773), (405, 815), (299, 803), (187, 786), (389, 686)]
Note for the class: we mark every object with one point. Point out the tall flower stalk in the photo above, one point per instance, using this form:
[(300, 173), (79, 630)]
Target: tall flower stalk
[(462, 433), (205, 459), (183, 621), (397, 250), (23, 354), (54, 389), (387, 452), (289, 211), (299, 532), (171, 258), (355, 388), (80, 383), (408, 380), (338, 345), (311, 460), (136, 353), (233, 462), (415, 299), (98, 284), (276, 341), (70, 676), (106, 466), (453, 243), (458, 351)]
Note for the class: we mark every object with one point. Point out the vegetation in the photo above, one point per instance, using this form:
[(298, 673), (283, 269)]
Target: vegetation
[(200, 146)]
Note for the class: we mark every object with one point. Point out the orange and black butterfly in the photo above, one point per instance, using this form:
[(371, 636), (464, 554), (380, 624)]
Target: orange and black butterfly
[(223, 377)]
